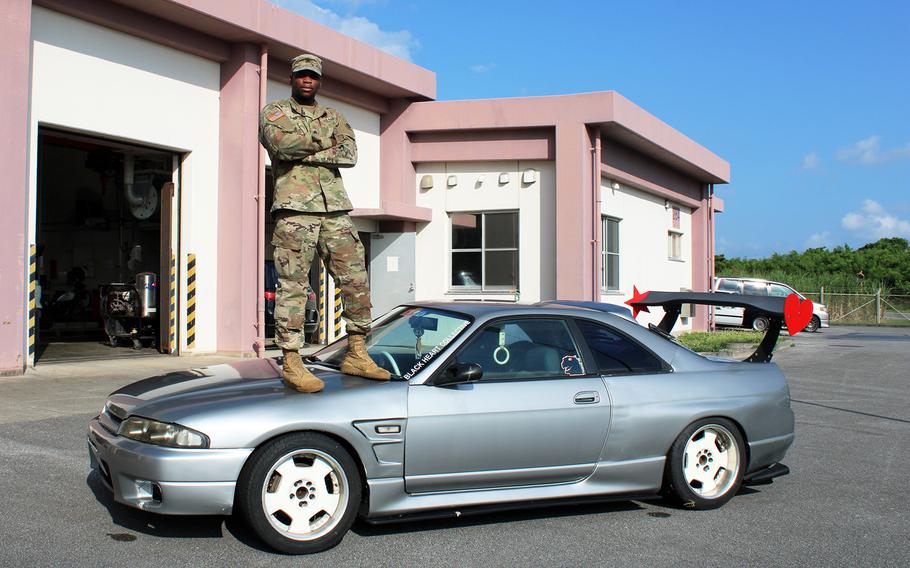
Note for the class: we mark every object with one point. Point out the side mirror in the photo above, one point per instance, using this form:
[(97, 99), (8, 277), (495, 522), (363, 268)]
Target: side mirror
[(459, 373)]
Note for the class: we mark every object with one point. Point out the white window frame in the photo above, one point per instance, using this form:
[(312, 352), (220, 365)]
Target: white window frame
[(671, 234), (605, 254), (483, 250)]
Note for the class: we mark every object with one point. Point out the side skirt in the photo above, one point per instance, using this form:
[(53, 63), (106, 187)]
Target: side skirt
[(499, 507), (619, 480)]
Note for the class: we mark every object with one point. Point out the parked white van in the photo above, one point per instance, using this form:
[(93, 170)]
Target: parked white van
[(740, 317)]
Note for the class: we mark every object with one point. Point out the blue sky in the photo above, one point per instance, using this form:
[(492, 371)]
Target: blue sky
[(808, 101)]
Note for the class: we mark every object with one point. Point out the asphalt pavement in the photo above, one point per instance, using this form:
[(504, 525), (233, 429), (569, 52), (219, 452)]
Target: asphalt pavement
[(844, 503)]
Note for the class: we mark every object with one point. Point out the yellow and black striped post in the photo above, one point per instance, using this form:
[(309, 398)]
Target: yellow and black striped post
[(191, 302), (337, 318), (32, 302), (321, 303), (172, 309)]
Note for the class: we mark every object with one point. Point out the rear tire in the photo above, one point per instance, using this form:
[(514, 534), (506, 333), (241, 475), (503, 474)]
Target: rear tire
[(706, 464), (300, 493)]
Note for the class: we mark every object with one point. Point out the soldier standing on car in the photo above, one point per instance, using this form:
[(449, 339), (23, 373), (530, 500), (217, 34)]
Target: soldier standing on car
[(307, 143)]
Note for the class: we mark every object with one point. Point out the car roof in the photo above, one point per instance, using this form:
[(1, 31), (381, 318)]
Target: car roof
[(749, 279), (551, 307)]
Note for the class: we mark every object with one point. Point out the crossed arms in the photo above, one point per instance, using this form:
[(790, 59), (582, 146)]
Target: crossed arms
[(337, 150)]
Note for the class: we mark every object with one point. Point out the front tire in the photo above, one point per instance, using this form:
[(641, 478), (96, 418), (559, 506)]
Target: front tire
[(706, 464), (300, 493), (761, 323), (813, 325)]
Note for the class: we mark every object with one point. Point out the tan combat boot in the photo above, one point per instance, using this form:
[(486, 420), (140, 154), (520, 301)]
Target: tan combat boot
[(297, 376), (358, 361)]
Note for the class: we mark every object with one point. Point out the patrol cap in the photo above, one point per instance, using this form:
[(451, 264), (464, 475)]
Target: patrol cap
[(307, 62)]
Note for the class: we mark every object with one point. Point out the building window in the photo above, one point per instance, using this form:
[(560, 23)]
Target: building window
[(485, 251), (609, 253), (674, 245)]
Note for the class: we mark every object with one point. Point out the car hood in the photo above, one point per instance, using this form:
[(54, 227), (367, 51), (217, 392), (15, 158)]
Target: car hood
[(240, 404)]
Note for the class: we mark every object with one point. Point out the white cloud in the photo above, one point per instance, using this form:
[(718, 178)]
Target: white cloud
[(811, 161), (816, 240), (872, 220), (398, 43), (868, 152), (483, 67)]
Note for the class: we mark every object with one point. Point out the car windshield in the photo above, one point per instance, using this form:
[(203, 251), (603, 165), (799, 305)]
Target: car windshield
[(405, 340)]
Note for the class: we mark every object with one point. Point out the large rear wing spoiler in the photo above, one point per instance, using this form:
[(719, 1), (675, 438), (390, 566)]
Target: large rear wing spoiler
[(672, 302)]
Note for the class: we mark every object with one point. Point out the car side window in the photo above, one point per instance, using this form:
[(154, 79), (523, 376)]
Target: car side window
[(780, 291), (727, 285), (615, 353), (755, 288), (524, 348)]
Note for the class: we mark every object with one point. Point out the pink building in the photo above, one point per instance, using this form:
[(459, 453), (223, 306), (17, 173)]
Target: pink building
[(130, 146)]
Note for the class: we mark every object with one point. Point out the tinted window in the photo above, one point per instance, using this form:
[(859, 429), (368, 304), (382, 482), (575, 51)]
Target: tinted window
[(755, 288), (615, 353), (734, 286), (524, 348)]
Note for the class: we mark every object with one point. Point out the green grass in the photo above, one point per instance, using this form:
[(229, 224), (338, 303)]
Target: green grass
[(705, 341)]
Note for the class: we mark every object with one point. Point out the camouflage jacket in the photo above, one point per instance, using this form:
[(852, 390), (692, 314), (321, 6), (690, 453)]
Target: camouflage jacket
[(307, 145)]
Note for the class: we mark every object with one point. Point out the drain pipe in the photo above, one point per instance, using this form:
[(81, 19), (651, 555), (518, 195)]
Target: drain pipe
[(595, 216), (259, 346), (710, 251)]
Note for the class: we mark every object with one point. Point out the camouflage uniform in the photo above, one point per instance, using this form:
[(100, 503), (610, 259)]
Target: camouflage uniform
[(307, 145)]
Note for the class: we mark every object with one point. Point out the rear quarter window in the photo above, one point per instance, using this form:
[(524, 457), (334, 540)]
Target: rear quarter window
[(615, 353)]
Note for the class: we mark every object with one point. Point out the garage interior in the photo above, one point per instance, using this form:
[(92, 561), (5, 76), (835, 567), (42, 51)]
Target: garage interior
[(99, 227)]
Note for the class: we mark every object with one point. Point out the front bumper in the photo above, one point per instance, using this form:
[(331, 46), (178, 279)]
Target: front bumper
[(171, 481), (823, 319)]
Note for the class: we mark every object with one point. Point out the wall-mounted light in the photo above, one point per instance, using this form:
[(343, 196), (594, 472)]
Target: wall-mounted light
[(615, 186), (426, 182), (666, 203), (452, 181), (503, 178), (529, 176)]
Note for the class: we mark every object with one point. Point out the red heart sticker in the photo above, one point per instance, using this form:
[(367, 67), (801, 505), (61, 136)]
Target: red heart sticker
[(797, 313)]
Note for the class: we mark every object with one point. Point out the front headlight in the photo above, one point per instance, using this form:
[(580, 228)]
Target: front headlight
[(161, 433)]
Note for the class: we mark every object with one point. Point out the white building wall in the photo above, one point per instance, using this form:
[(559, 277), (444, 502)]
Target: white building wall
[(535, 203), (644, 259), (361, 181), (98, 81)]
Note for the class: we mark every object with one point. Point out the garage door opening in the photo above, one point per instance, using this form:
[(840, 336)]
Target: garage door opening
[(102, 210)]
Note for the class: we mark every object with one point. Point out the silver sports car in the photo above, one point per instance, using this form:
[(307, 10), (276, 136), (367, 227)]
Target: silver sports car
[(490, 405)]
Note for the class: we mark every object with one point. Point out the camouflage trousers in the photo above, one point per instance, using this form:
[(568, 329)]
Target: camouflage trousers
[(297, 238)]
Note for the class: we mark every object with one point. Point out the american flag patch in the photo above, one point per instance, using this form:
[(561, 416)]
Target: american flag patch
[(275, 116)]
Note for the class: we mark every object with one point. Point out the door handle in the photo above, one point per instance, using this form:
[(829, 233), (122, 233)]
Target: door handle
[(587, 397)]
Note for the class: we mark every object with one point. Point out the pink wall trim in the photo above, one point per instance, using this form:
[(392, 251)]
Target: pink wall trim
[(396, 171), (702, 228), (238, 175), (648, 126), (485, 145), (391, 211), (481, 151), (142, 25), (718, 204), (288, 34), (15, 48), (593, 109), (647, 186)]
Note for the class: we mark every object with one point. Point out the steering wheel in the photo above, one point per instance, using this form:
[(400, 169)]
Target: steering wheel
[(391, 360)]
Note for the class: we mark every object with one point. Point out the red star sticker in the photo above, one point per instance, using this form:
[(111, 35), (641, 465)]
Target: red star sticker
[(633, 302)]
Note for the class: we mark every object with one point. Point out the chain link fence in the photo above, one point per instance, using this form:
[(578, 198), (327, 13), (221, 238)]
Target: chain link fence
[(878, 307)]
